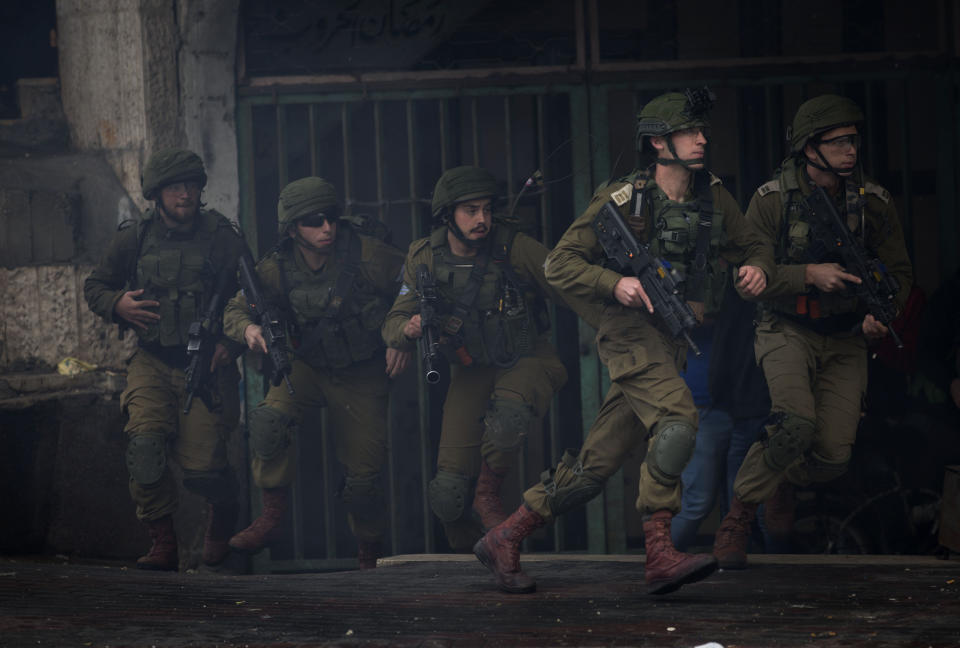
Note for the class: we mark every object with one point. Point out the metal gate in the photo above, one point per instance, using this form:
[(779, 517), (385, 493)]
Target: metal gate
[(384, 139)]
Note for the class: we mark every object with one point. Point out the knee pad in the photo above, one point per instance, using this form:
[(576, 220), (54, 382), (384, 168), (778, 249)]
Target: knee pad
[(270, 432), (362, 495), (569, 486), (788, 438), (507, 422), (213, 486), (147, 457), (820, 469), (449, 495), (673, 443)]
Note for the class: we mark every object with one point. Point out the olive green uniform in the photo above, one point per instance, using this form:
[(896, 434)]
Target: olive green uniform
[(816, 367), (338, 362), (179, 271), (647, 396), (514, 371)]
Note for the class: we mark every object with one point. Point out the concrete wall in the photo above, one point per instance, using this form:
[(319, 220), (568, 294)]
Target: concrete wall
[(140, 75)]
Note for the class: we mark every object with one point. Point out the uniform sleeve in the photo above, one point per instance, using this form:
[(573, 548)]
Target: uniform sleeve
[(574, 267), (889, 246), (236, 315), (742, 241), (763, 218), (406, 304), (107, 283), (529, 256), (384, 271)]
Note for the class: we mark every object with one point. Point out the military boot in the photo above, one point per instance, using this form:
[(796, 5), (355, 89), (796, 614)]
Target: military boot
[(778, 513), (668, 569), (221, 518), (486, 497), (730, 545), (367, 553), (499, 550), (265, 528), (163, 552)]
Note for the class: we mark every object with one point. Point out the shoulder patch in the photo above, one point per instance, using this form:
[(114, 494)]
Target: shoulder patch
[(418, 245), (714, 180), (768, 187), (622, 195), (877, 190)]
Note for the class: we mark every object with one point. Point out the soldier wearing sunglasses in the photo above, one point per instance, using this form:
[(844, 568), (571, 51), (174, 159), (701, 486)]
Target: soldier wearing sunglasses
[(335, 283)]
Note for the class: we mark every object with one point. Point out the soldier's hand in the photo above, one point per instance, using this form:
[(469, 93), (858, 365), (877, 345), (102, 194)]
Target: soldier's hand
[(697, 308), (629, 292), (397, 362), (413, 329), (873, 329), (829, 277), (219, 358), (133, 310), (253, 336), (751, 281)]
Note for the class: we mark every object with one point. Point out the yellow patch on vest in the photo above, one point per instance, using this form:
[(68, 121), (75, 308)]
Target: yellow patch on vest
[(622, 195)]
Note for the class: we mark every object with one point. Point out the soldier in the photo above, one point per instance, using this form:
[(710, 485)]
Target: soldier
[(334, 281), (663, 204), (504, 370), (158, 277), (810, 337)]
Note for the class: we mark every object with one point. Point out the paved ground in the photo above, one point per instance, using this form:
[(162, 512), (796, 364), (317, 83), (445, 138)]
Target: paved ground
[(823, 601)]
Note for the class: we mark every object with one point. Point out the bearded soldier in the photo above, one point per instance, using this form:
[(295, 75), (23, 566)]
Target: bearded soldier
[(810, 337), (687, 218), (334, 281), (494, 330), (158, 277)]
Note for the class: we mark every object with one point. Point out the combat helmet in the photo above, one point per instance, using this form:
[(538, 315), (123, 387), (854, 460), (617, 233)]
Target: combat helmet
[(305, 197), (169, 166), (458, 185), (672, 112), (819, 115)]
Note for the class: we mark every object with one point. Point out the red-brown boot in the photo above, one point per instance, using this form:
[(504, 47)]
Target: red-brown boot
[(265, 528), (221, 518), (779, 512), (499, 550), (667, 569), (368, 553), (163, 552), (730, 545), (486, 497)]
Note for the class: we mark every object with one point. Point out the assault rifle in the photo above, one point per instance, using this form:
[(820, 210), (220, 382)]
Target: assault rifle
[(878, 289), (429, 342), (267, 319), (630, 258), (201, 342)]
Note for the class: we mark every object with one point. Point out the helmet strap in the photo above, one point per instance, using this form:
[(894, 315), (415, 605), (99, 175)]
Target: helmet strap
[(676, 159), (457, 232), (825, 166)]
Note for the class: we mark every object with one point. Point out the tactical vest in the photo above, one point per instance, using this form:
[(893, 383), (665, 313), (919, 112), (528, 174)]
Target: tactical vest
[(496, 317), (795, 246), (176, 270), (671, 228), (338, 312)]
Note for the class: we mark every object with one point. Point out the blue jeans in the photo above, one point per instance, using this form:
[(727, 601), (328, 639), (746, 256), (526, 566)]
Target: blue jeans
[(722, 443)]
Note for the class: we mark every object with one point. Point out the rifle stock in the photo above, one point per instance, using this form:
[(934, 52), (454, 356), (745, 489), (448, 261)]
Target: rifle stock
[(878, 289), (429, 342), (630, 258), (268, 320)]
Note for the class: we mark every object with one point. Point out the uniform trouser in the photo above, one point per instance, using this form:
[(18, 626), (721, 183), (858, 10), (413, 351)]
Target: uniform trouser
[(646, 387), (154, 400), (821, 378), (356, 399), (464, 441)]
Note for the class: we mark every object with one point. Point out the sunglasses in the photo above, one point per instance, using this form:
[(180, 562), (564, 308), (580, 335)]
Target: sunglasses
[(318, 220)]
